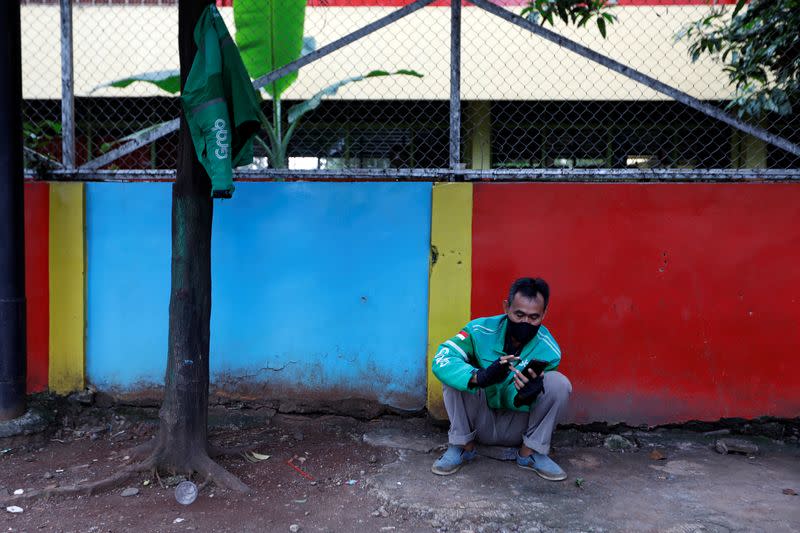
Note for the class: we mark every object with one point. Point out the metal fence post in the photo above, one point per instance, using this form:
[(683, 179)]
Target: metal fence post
[(455, 84), (12, 220), (67, 87)]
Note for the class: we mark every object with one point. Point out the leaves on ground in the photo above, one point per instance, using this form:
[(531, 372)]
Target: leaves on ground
[(656, 455), (253, 457)]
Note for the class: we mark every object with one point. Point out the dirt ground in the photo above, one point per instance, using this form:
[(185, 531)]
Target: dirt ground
[(330, 494), (343, 483)]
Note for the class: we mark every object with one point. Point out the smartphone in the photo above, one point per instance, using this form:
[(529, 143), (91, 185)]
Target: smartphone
[(535, 365)]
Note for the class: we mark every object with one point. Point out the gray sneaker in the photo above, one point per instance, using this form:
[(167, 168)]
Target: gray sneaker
[(452, 460), (542, 465)]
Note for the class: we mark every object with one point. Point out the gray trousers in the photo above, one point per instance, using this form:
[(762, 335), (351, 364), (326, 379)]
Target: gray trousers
[(471, 419)]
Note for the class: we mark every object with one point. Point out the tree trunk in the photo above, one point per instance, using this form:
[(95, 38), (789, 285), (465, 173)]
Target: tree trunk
[(182, 441)]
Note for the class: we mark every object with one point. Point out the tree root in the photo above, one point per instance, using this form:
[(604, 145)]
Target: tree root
[(212, 471), (202, 464), (145, 449), (87, 489), (219, 451)]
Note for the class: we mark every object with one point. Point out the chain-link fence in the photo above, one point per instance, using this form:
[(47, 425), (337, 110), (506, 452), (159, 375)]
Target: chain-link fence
[(525, 102)]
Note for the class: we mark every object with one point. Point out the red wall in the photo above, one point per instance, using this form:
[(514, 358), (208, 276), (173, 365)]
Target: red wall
[(670, 301), (37, 284)]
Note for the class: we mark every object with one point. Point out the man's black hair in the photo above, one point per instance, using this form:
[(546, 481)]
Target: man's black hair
[(529, 288)]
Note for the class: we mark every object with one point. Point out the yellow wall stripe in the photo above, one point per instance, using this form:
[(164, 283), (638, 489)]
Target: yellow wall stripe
[(451, 274), (67, 274)]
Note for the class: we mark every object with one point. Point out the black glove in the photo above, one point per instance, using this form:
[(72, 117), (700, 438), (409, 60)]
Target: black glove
[(492, 374), (527, 394)]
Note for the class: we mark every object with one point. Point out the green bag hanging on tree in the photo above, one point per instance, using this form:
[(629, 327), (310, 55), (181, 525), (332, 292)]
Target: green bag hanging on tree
[(220, 104)]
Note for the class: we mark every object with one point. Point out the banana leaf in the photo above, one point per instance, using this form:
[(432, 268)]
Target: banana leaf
[(312, 103), (166, 80), (269, 34), (296, 112)]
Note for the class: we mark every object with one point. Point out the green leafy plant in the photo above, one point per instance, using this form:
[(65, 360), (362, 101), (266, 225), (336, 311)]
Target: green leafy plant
[(269, 35), (578, 12), (166, 80), (38, 138), (39, 134), (279, 138), (759, 44)]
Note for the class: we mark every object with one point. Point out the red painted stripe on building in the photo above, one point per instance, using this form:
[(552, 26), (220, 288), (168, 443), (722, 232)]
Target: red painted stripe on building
[(359, 3), (670, 301), (443, 3), (364, 3), (37, 286)]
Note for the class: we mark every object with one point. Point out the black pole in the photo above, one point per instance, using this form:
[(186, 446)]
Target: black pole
[(12, 236)]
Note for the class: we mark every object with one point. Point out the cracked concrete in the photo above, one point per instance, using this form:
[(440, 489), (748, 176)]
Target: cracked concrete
[(694, 489)]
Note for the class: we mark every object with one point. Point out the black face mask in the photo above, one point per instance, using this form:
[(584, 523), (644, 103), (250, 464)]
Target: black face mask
[(522, 332)]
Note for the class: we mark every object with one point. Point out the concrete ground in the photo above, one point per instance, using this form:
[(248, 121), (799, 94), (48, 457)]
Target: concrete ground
[(686, 486)]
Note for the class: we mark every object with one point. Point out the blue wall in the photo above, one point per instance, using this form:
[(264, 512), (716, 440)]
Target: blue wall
[(319, 289)]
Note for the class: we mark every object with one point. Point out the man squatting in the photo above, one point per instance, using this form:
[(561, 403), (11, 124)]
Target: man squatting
[(488, 399)]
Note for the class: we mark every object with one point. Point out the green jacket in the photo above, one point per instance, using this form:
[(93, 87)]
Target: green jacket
[(220, 104), (478, 345)]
